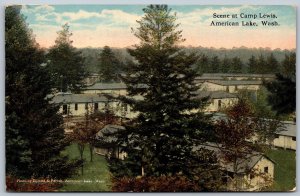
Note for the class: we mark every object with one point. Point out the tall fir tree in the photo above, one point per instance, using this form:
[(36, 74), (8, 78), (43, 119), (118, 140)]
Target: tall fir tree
[(236, 65), (65, 63), (108, 65), (34, 135), (202, 64), (225, 67), (160, 140), (215, 65), (282, 95), (272, 65), (288, 68), (252, 63), (261, 65)]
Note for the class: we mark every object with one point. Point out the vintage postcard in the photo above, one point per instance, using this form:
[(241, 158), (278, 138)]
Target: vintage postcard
[(150, 98)]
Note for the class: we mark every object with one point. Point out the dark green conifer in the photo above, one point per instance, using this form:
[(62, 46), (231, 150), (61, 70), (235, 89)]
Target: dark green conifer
[(34, 133)]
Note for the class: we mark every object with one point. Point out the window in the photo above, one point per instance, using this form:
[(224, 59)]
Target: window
[(266, 169), (276, 136), (76, 106), (294, 138), (96, 106), (86, 106), (65, 109), (251, 176)]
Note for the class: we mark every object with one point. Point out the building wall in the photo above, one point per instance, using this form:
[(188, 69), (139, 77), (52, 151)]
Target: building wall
[(248, 87), (285, 142), (108, 152), (259, 180), (119, 109), (218, 104), (81, 108), (207, 86)]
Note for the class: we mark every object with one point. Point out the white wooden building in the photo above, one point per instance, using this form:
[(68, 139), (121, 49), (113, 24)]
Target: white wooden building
[(254, 172), (287, 139), (218, 100), (231, 86)]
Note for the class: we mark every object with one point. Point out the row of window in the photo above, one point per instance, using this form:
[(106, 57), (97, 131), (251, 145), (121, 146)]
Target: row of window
[(293, 138), (66, 108)]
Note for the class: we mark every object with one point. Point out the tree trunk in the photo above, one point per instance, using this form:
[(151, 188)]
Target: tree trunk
[(91, 152), (81, 150)]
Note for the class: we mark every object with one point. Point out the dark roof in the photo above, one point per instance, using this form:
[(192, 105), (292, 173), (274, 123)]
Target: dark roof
[(103, 134), (110, 86), (106, 86), (238, 75), (290, 129), (235, 82), (209, 78), (215, 94), (78, 98), (248, 163)]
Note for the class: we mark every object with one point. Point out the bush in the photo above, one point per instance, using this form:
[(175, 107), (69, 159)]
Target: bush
[(154, 184)]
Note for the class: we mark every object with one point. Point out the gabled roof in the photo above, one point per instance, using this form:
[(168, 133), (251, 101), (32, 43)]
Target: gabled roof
[(78, 98), (235, 82)]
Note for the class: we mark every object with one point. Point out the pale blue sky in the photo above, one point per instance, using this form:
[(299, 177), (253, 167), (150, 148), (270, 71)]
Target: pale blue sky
[(99, 25)]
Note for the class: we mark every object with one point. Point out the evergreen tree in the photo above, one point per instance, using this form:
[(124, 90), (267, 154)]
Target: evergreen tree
[(34, 135), (272, 65), (65, 63), (202, 64), (282, 95), (252, 63), (215, 64), (261, 65), (108, 65), (160, 140), (288, 68), (236, 65), (225, 65)]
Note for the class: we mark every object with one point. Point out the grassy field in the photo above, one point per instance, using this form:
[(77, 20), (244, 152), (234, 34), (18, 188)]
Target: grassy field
[(95, 177), (285, 169)]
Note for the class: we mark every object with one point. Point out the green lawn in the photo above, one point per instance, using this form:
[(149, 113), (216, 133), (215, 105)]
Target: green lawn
[(96, 176), (285, 169)]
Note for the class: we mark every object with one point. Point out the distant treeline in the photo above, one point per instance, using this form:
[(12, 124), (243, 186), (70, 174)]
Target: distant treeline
[(212, 60)]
